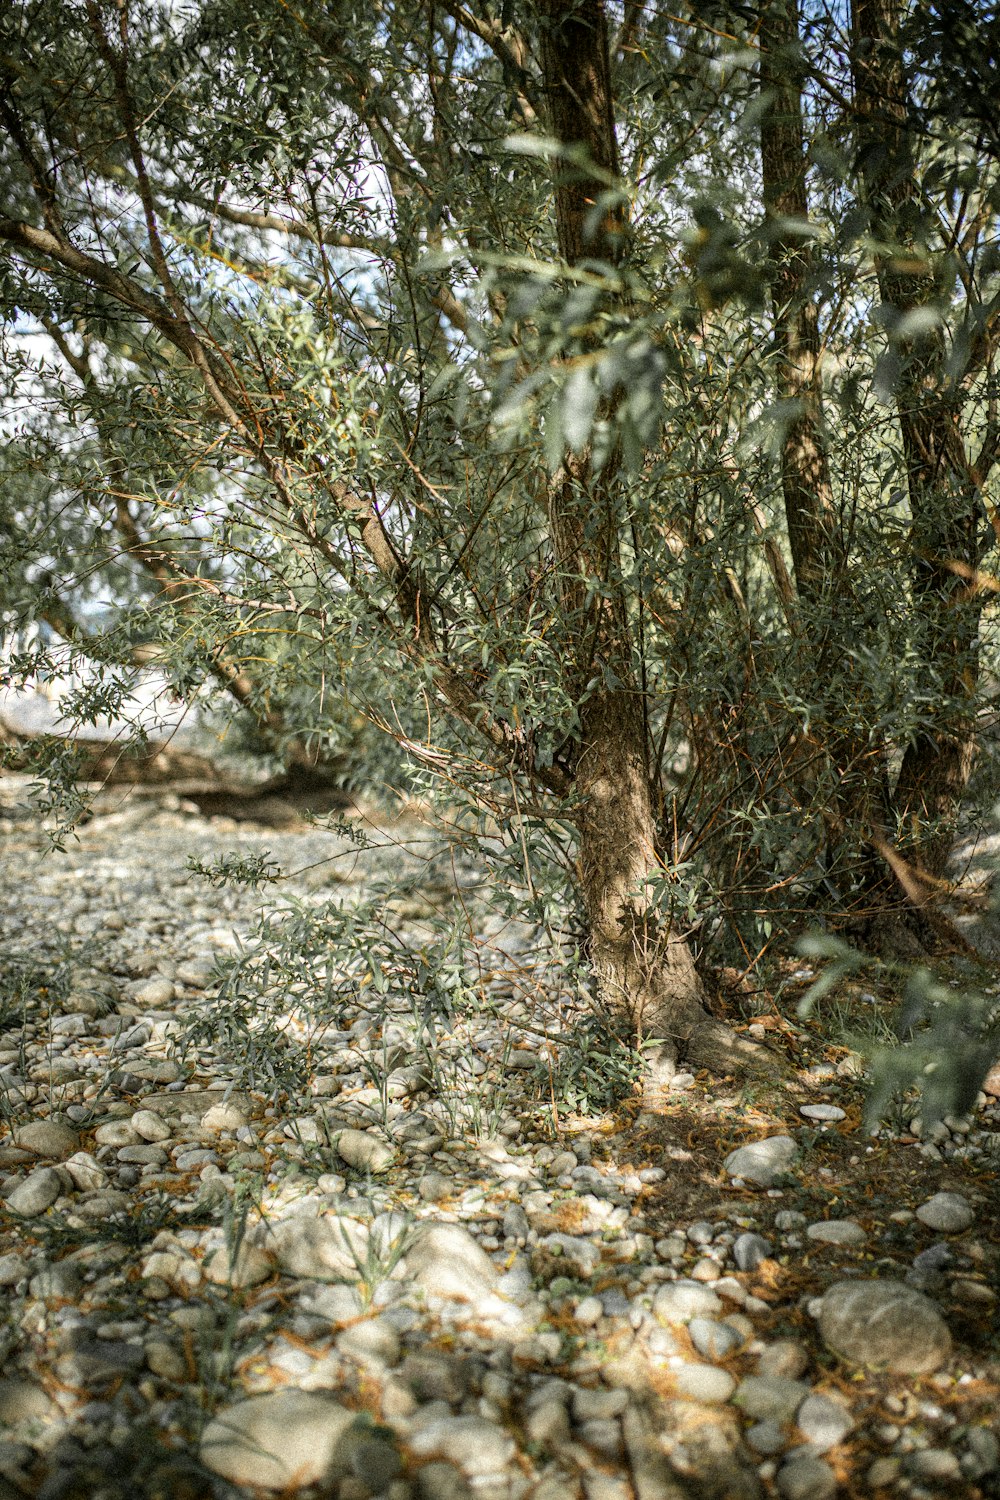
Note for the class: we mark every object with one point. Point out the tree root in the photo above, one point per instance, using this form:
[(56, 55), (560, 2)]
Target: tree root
[(715, 1046)]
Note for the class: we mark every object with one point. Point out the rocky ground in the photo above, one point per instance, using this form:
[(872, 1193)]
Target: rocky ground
[(362, 1244)]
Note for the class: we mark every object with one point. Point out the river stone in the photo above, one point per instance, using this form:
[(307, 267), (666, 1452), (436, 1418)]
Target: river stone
[(763, 1162), (252, 1266), (364, 1152), (948, 1213), (837, 1232), (884, 1325), (327, 1249), (150, 1125), (86, 1171), (473, 1444), (823, 1421), (284, 1440), (749, 1250), (224, 1116), (47, 1138), (704, 1383), (23, 1403), (713, 1340), (806, 1478), (770, 1397), (445, 1261), (824, 1113), (679, 1301), (36, 1193)]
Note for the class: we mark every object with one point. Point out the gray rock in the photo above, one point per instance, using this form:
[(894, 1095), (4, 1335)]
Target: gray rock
[(884, 1325), (364, 1152), (226, 1115), (154, 993), (823, 1421), (284, 1440), (766, 1437), (837, 1232), (441, 1481), (948, 1213), (151, 1126), (48, 1138), (326, 1249), (445, 1261), (472, 1444), (373, 1343), (937, 1464), (713, 1340), (12, 1269), (58, 1282), (97, 1362), (770, 1397), (677, 1302), (806, 1479), (749, 1250), (23, 1403), (763, 1162), (86, 1171), (36, 1193), (253, 1264), (577, 1256), (515, 1222), (825, 1113), (703, 1383)]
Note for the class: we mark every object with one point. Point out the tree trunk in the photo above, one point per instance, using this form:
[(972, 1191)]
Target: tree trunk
[(858, 803), (645, 971), (943, 487)]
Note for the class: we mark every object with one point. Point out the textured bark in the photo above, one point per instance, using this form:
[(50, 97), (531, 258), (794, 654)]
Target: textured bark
[(859, 803), (813, 533), (645, 972), (943, 486)]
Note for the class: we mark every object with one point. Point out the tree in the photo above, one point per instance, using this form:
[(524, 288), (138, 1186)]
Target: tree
[(506, 357)]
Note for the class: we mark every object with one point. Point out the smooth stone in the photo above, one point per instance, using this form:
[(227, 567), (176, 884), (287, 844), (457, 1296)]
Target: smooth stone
[(711, 1339), (36, 1193), (364, 1152), (806, 1479), (884, 1325), (566, 1254), (446, 1261), (373, 1343), (48, 1138), (97, 1362), (117, 1133), (934, 1464), (150, 1125), (677, 1302), (12, 1269), (154, 993), (948, 1213), (23, 1403), (749, 1250), (837, 1232), (784, 1357), (766, 1438), (772, 1398), (473, 1444), (764, 1161), (326, 1249), (224, 1116), (704, 1383), (86, 1171), (441, 1481), (252, 1266), (58, 1282), (284, 1440), (826, 1113), (823, 1421)]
